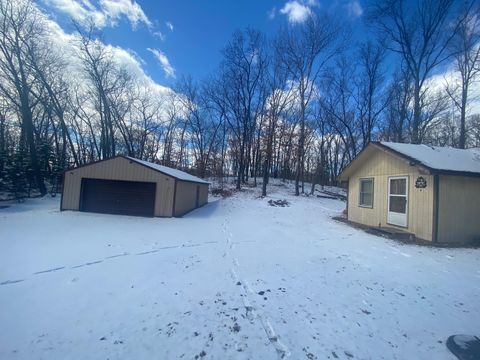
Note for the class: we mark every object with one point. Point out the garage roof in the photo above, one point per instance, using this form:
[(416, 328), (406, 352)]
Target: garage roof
[(177, 174)]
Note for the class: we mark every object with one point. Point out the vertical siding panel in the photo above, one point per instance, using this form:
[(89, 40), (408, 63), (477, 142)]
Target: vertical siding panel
[(186, 197), (203, 194), (459, 209)]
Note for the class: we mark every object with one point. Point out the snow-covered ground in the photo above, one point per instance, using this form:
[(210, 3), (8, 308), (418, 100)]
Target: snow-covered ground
[(236, 279)]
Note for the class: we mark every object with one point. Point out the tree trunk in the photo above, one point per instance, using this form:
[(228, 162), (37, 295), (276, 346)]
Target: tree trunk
[(27, 120), (416, 114), (463, 136), (301, 142)]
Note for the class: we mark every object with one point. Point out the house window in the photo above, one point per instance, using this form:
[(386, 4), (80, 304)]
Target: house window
[(366, 193)]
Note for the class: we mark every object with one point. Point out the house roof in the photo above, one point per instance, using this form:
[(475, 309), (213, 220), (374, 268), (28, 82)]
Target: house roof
[(439, 158), (177, 174), (445, 160)]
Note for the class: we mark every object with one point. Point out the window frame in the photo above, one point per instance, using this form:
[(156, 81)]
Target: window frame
[(360, 192)]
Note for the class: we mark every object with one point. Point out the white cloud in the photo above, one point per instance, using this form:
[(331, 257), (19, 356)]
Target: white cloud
[(106, 13), (271, 14), (452, 79), (169, 25), (354, 8), (160, 35), (312, 3), (115, 9), (164, 62), (80, 11), (65, 45), (137, 57), (296, 12)]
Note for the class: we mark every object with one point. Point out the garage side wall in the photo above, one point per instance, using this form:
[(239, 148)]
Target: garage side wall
[(186, 196), (380, 166), (118, 169), (459, 209), (203, 194)]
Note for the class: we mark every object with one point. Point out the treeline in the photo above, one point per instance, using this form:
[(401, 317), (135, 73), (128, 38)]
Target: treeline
[(299, 105)]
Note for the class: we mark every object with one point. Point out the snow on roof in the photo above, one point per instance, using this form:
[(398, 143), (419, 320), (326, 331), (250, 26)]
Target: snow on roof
[(440, 158), (178, 174)]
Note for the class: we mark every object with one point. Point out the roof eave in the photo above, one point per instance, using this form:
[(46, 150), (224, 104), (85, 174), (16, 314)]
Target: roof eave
[(455, 173), (345, 170), (411, 161), (431, 170)]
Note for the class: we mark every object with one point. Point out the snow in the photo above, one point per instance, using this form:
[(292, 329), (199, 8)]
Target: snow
[(236, 279), (440, 158), (178, 174)]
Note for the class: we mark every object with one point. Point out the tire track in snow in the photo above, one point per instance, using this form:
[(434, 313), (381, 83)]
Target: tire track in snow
[(11, 282), (49, 270), (115, 256), (251, 311), (111, 257)]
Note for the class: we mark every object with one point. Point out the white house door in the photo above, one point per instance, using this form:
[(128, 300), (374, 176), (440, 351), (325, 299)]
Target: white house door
[(398, 201)]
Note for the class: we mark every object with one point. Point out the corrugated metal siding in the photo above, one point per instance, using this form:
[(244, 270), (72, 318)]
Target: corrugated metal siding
[(459, 209), (203, 195), (186, 197), (119, 169), (381, 165)]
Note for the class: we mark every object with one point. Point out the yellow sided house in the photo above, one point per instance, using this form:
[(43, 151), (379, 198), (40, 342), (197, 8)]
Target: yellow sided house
[(430, 192), (128, 186)]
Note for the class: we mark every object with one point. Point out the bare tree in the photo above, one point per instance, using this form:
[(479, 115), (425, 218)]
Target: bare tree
[(305, 49), (466, 46), (434, 105), (105, 80), (170, 127), (369, 95), (22, 28), (49, 68), (147, 110), (398, 114), (279, 99), (420, 34), (339, 105), (242, 73), (475, 129), (202, 127)]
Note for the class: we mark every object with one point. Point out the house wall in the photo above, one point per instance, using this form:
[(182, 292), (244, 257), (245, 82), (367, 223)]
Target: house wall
[(186, 196), (118, 169), (459, 209), (381, 165)]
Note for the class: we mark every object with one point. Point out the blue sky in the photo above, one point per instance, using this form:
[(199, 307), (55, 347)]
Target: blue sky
[(172, 38)]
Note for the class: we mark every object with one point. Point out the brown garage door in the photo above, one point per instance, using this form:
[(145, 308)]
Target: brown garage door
[(118, 197)]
